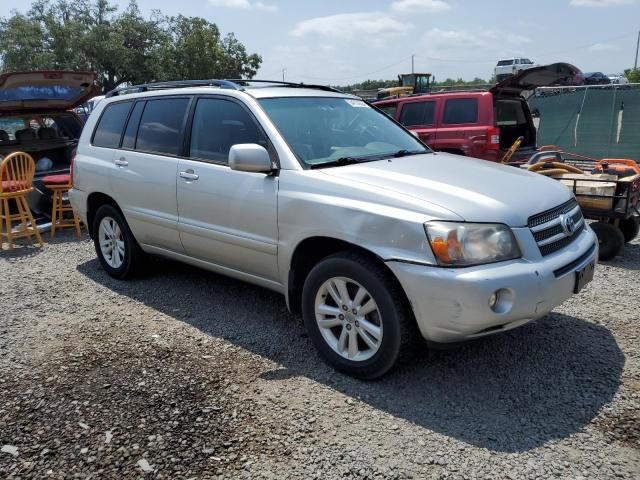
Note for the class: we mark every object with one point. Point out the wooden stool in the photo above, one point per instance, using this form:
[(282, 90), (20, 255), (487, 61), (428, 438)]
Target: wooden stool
[(16, 181), (59, 185)]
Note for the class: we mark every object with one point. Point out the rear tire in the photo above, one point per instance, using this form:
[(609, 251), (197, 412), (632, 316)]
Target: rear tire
[(116, 248), (630, 227), (610, 239), (380, 323)]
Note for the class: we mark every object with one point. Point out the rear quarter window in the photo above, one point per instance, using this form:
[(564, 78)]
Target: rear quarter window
[(109, 129), (389, 110), (460, 110)]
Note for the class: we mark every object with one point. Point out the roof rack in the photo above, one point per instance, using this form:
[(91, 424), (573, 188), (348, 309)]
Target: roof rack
[(280, 83), (459, 90), (237, 84), (146, 87)]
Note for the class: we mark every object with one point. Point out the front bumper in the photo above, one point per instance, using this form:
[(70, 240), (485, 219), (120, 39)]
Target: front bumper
[(452, 304)]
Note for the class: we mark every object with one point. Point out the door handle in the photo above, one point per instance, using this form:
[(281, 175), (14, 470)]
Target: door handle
[(189, 175), (121, 162)]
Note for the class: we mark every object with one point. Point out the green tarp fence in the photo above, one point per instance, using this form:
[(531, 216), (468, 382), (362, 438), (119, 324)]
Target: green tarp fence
[(597, 122)]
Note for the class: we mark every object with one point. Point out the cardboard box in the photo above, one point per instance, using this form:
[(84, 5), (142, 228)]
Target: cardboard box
[(602, 184)]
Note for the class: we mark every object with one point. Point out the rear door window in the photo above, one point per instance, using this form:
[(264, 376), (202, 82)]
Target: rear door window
[(460, 110), (218, 125), (109, 129), (417, 113), (129, 139), (161, 126)]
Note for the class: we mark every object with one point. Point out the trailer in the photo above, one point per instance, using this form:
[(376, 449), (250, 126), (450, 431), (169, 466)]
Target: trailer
[(607, 190)]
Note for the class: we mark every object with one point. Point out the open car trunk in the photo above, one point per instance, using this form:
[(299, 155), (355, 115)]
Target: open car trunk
[(36, 118), (513, 118), (51, 139), (511, 112)]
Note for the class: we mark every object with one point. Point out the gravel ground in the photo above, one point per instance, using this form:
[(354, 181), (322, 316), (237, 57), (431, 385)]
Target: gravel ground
[(186, 374)]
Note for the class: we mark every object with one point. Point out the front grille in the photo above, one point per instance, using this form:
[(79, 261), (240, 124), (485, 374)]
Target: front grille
[(549, 233), (548, 215), (549, 248)]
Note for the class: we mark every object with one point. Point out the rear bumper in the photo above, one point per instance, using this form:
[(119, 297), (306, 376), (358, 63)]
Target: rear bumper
[(452, 305), (78, 200)]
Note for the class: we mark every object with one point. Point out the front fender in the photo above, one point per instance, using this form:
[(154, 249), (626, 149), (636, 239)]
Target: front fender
[(391, 227)]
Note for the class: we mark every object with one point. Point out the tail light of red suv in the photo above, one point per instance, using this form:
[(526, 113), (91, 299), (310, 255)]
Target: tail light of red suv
[(493, 138)]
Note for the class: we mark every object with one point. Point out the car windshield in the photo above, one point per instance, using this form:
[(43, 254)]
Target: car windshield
[(329, 131)]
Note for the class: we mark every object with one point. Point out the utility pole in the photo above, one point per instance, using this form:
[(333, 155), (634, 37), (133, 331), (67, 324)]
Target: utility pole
[(635, 65), (413, 55), (283, 70)]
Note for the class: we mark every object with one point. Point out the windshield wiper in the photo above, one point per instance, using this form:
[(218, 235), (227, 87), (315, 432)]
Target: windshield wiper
[(405, 153), (339, 162)]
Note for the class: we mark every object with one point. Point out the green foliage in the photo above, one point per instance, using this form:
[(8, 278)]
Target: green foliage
[(632, 75), (121, 47), (376, 84), (450, 82)]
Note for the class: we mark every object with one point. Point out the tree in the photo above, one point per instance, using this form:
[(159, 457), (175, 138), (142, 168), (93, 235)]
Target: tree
[(195, 49), (121, 47), (632, 75)]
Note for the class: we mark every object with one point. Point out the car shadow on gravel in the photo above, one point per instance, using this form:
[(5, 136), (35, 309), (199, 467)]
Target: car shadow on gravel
[(629, 259), (512, 392)]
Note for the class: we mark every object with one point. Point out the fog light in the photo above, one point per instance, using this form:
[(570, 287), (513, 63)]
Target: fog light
[(501, 301), (493, 300)]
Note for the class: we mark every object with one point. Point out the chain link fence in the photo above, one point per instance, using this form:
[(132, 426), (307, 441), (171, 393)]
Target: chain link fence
[(597, 121)]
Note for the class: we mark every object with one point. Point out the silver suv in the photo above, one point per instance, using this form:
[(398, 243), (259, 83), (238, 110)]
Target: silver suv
[(313, 193)]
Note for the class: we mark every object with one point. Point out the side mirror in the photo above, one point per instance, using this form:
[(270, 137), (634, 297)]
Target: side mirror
[(250, 157)]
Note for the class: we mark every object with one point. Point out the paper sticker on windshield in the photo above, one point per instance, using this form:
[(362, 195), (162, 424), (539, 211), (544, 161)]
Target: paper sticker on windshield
[(355, 103)]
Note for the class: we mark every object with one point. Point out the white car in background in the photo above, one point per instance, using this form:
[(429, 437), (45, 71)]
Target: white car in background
[(510, 66), (618, 79)]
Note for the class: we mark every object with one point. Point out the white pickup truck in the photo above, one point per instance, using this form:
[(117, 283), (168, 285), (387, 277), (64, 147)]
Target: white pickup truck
[(511, 66)]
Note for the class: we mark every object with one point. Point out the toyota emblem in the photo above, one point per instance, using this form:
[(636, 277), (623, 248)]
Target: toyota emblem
[(568, 224)]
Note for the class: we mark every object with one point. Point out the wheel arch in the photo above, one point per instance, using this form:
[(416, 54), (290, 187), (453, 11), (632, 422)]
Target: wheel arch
[(312, 250), (94, 201)]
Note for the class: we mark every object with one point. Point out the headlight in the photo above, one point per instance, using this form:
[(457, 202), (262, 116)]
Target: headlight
[(465, 244)]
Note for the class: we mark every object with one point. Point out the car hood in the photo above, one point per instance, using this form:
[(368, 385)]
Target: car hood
[(542, 76), (476, 190), (48, 90)]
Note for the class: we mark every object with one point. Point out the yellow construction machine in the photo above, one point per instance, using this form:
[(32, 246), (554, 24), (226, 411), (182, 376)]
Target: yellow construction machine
[(408, 84)]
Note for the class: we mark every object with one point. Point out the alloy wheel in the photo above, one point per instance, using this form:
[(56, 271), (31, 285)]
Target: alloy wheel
[(111, 242), (348, 319)]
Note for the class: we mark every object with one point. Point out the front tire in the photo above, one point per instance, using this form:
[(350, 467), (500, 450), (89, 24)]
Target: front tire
[(116, 248), (356, 315), (610, 239)]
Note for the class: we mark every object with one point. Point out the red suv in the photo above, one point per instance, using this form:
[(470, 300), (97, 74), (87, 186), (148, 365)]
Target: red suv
[(480, 124)]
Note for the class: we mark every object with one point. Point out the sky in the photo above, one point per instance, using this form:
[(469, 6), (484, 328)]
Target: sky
[(342, 42)]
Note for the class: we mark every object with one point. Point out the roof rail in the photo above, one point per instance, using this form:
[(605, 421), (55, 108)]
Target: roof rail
[(280, 83), (458, 90), (237, 84), (146, 87)]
